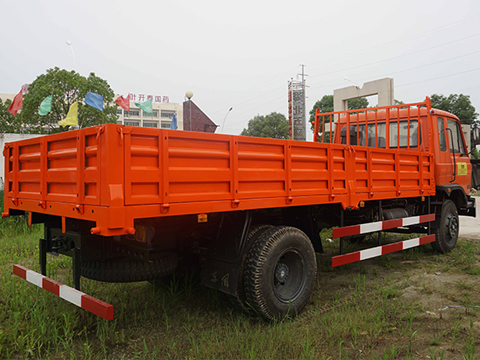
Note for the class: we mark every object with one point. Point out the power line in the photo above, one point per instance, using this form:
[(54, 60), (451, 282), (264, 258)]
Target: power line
[(415, 36), (396, 57), (400, 71), (439, 77)]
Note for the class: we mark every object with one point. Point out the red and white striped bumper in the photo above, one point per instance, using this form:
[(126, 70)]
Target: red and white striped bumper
[(381, 250), (381, 225), (72, 295)]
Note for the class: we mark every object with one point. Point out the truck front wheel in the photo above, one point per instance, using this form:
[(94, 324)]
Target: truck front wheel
[(446, 228), (280, 272)]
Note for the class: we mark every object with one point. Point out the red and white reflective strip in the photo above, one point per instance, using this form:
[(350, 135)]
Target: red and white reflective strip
[(72, 295), (381, 250), (381, 225)]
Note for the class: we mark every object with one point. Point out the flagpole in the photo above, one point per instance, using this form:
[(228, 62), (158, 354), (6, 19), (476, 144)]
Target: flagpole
[(50, 117)]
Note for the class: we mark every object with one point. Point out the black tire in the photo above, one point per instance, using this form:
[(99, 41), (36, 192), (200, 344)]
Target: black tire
[(239, 299), (126, 270), (280, 273), (446, 228)]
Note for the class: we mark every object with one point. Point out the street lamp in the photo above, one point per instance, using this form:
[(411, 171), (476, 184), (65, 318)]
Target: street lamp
[(228, 112), (69, 43), (189, 96)]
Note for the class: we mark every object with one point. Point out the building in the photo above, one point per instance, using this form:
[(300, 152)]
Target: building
[(161, 116), (194, 119)]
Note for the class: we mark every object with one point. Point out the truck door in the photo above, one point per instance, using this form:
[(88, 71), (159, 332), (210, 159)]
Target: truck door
[(453, 165)]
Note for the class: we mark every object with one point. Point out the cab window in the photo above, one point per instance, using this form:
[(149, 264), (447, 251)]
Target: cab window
[(455, 137), (441, 135), (378, 141), (407, 137)]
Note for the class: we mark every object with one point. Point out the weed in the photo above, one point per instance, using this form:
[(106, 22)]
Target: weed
[(469, 353), (436, 356)]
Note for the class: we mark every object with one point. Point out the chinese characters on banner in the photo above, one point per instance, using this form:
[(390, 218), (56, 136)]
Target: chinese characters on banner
[(296, 111), (154, 98)]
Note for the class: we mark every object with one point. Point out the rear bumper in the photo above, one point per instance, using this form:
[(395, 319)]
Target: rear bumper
[(76, 297)]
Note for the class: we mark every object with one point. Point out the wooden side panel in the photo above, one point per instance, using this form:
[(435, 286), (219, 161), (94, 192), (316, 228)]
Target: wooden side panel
[(383, 170), (91, 164), (142, 167), (164, 166), (409, 170), (309, 169), (29, 169), (61, 167), (61, 175), (361, 170), (341, 174), (261, 168)]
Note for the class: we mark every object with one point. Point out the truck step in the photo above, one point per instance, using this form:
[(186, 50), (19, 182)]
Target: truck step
[(381, 250), (72, 295)]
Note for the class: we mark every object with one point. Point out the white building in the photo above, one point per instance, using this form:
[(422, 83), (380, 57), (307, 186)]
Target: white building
[(161, 116)]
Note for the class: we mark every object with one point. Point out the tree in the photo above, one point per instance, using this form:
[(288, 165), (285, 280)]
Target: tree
[(8, 122), (459, 105), (325, 105), (66, 88), (274, 125)]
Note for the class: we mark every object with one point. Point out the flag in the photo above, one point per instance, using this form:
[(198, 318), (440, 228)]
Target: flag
[(45, 106), (94, 100), (173, 125), (124, 103), (145, 106), (16, 104), (72, 116)]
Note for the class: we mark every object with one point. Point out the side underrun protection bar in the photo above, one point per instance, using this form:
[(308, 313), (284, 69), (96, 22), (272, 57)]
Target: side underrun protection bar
[(385, 249)]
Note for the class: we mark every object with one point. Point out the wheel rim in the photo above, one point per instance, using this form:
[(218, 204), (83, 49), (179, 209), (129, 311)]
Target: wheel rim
[(452, 226), (288, 278)]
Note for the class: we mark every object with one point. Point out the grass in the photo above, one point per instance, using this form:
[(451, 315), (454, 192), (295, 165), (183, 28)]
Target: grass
[(361, 310)]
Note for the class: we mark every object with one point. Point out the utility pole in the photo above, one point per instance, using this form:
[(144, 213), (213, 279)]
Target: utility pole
[(303, 73)]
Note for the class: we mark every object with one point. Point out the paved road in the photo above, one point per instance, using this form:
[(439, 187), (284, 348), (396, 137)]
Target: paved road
[(469, 226)]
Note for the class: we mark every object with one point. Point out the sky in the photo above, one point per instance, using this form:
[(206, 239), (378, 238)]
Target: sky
[(242, 54)]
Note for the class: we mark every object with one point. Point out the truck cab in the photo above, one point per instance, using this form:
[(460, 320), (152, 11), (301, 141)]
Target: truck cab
[(417, 130)]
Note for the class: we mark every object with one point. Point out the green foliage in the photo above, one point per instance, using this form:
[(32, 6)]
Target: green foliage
[(8, 122), (325, 105), (274, 126), (475, 153), (66, 88), (459, 105)]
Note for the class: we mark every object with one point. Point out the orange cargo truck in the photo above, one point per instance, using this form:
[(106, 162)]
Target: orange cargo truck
[(135, 204)]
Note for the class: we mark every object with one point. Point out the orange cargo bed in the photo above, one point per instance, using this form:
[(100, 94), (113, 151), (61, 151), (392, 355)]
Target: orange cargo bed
[(114, 174)]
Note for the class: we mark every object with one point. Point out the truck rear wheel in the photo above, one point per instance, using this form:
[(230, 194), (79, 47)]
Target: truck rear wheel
[(239, 299), (280, 273), (446, 228)]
